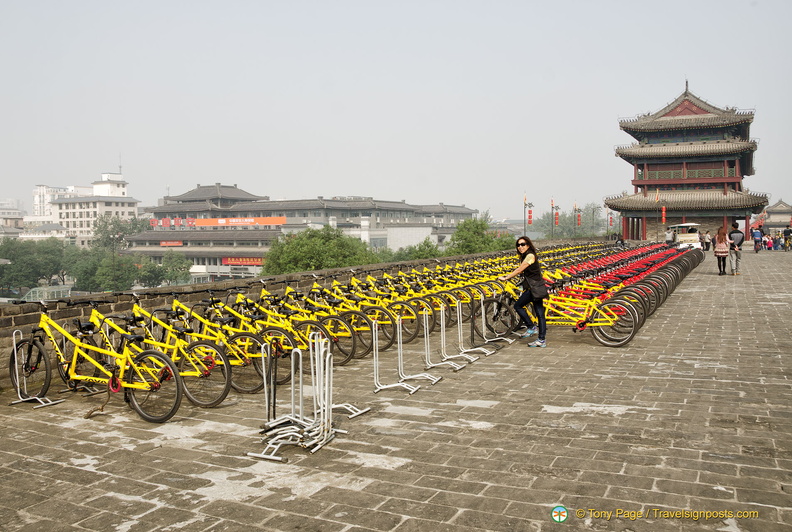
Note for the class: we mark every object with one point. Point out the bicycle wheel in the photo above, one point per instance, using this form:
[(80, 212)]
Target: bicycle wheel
[(638, 303), (307, 331), (160, 395), (616, 324), (426, 316), (386, 325), (342, 338), (206, 374), (29, 369), (465, 299), (281, 344), (361, 326), (79, 365), (244, 350), (409, 318), (499, 317)]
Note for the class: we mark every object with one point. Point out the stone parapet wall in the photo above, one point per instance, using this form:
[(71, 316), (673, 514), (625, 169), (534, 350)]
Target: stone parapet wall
[(25, 316)]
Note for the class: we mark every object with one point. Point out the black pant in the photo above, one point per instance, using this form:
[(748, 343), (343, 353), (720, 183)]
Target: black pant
[(721, 264), (539, 312)]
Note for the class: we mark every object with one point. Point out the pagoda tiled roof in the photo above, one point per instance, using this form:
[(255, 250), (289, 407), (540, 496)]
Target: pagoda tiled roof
[(193, 206), (780, 206), (215, 192), (686, 149), (707, 116), (685, 122), (682, 200), (443, 208)]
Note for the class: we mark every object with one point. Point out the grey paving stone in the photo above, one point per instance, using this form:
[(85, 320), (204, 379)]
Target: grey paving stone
[(695, 413)]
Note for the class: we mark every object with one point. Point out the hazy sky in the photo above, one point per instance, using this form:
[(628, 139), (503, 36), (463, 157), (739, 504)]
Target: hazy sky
[(454, 101)]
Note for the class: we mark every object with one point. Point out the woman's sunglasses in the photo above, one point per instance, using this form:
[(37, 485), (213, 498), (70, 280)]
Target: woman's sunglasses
[(522, 244)]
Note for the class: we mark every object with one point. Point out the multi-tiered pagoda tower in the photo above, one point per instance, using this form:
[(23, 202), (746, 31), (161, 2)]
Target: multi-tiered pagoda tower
[(689, 157)]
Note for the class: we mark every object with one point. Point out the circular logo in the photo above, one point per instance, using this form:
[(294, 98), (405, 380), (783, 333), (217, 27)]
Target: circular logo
[(559, 514)]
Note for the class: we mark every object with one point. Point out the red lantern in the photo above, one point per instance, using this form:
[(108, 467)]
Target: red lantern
[(556, 217), (663, 213), (610, 221), (578, 219), (530, 217)]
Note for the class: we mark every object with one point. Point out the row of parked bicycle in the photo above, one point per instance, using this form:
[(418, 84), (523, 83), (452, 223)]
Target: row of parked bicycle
[(203, 350)]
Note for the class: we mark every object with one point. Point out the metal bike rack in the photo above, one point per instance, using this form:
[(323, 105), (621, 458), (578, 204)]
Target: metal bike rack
[(484, 331), (296, 428), (351, 409), (286, 429), (375, 340), (427, 351), (400, 368), (463, 351), (22, 381)]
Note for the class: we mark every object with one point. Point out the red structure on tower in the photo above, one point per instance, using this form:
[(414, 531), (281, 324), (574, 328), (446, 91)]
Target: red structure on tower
[(689, 161)]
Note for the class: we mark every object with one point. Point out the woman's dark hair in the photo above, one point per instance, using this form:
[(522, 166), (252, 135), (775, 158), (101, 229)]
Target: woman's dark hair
[(530, 249)]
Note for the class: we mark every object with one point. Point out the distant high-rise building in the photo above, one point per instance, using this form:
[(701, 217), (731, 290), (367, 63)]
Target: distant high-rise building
[(75, 208)]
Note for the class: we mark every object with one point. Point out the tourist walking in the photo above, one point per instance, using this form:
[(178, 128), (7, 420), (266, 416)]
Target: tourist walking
[(669, 236), (707, 240), (757, 234), (721, 249), (534, 290), (737, 238)]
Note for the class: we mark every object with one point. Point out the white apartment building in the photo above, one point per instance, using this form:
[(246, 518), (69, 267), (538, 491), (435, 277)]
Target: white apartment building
[(11, 213), (75, 208)]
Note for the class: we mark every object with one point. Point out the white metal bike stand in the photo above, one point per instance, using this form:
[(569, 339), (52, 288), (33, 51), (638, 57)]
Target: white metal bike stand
[(352, 409), (375, 341), (486, 351), (463, 351), (323, 431), (297, 429), (484, 331), (21, 380), (428, 352), (400, 360), (287, 429)]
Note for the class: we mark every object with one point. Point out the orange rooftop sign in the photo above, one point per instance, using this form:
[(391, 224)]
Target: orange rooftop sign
[(217, 222)]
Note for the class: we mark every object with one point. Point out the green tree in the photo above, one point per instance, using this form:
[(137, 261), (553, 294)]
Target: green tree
[(110, 232), (176, 268), (84, 270), (116, 273), (51, 256), (475, 236), (424, 250), (592, 223), (22, 269), (150, 274), (316, 249)]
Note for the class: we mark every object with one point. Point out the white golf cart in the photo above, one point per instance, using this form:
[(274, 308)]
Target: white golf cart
[(687, 235)]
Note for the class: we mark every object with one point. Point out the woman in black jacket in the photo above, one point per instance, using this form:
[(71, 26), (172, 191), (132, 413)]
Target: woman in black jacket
[(534, 290)]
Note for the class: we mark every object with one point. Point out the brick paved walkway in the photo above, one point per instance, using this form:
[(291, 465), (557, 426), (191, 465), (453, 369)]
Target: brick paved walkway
[(695, 414)]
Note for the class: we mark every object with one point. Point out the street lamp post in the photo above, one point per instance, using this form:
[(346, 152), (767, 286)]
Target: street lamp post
[(526, 206), (116, 237), (553, 210)]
